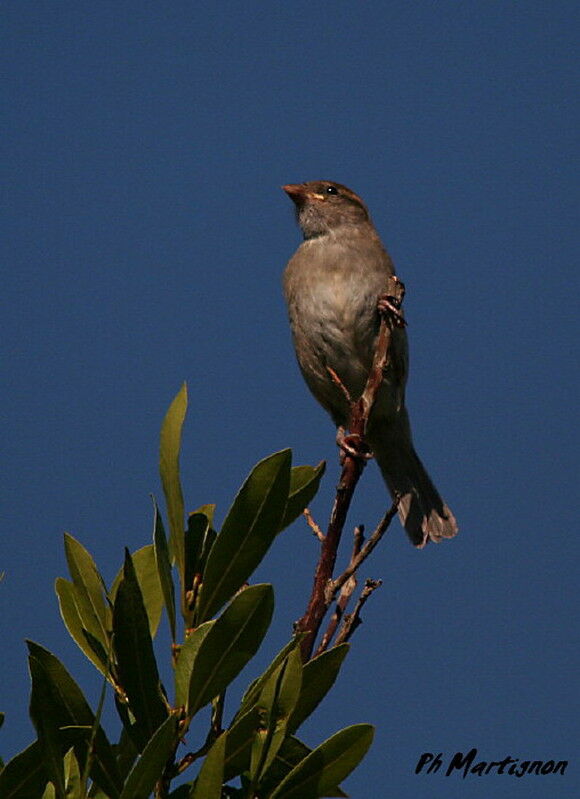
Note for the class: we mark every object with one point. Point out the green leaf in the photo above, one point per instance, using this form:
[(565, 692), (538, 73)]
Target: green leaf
[(137, 668), (25, 776), (95, 614), (251, 695), (67, 597), (72, 775), (169, 468), (292, 752), (239, 743), (163, 564), (327, 765), (71, 709), (304, 483), (185, 660), (230, 643), (208, 784), (149, 768), (126, 753), (152, 594), (248, 530), (46, 723), (318, 677), (276, 703)]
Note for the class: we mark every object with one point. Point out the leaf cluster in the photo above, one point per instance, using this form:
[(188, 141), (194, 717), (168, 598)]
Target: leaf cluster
[(200, 577)]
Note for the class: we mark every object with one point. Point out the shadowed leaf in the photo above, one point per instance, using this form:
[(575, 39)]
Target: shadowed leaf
[(163, 564), (304, 483), (70, 709), (137, 668)]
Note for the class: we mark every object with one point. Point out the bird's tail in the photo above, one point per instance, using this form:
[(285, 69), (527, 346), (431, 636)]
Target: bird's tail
[(423, 513)]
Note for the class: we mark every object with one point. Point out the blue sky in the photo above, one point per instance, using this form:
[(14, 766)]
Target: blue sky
[(145, 235)]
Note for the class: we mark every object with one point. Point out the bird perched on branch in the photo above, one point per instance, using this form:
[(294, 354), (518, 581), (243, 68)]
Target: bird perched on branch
[(332, 285)]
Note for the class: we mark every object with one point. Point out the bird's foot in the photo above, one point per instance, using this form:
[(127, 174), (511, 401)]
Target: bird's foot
[(389, 305), (353, 445)]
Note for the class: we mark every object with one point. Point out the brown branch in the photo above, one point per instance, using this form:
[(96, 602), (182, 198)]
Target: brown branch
[(352, 469), (347, 590)]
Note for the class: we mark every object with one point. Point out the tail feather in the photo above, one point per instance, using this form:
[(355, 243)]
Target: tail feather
[(423, 513)]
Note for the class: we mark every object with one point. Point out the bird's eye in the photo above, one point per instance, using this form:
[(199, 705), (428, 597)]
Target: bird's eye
[(331, 190)]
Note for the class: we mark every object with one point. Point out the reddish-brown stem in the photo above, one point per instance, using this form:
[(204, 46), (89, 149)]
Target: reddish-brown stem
[(352, 469)]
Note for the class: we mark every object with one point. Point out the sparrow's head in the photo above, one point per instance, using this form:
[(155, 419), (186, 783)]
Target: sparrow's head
[(323, 206)]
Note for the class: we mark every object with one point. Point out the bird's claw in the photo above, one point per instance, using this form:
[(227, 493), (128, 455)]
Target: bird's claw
[(390, 308), (352, 445)]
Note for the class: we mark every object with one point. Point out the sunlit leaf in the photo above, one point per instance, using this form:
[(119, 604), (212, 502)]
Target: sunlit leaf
[(185, 660), (170, 445), (148, 578), (318, 678), (230, 643), (149, 768), (327, 765), (67, 595), (276, 702), (208, 784), (247, 532), (95, 614)]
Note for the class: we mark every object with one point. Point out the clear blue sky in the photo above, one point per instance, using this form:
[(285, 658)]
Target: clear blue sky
[(145, 234)]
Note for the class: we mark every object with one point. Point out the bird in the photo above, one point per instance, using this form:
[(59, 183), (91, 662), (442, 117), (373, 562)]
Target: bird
[(332, 285)]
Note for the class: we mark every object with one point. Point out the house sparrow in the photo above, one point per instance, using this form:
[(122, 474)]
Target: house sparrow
[(332, 285)]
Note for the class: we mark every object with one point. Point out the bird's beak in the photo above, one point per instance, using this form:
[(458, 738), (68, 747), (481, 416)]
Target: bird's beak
[(297, 192)]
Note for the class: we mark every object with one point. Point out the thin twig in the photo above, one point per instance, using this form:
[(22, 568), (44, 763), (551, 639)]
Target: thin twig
[(353, 620), (312, 524), (366, 550)]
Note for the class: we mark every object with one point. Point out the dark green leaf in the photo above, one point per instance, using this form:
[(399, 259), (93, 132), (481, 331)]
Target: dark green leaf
[(208, 784), (67, 600), (248, 530), (137, 668), (169, 468), (46, 722), (126, 753), (95, 614), (149, 583), (149, 768), (71, 709), (25, 776), (230, 643), (304, 483), (195, 535), (239, 743), (185, 659), (317, 679), (275, 704), (164, 568), (327, 765)]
